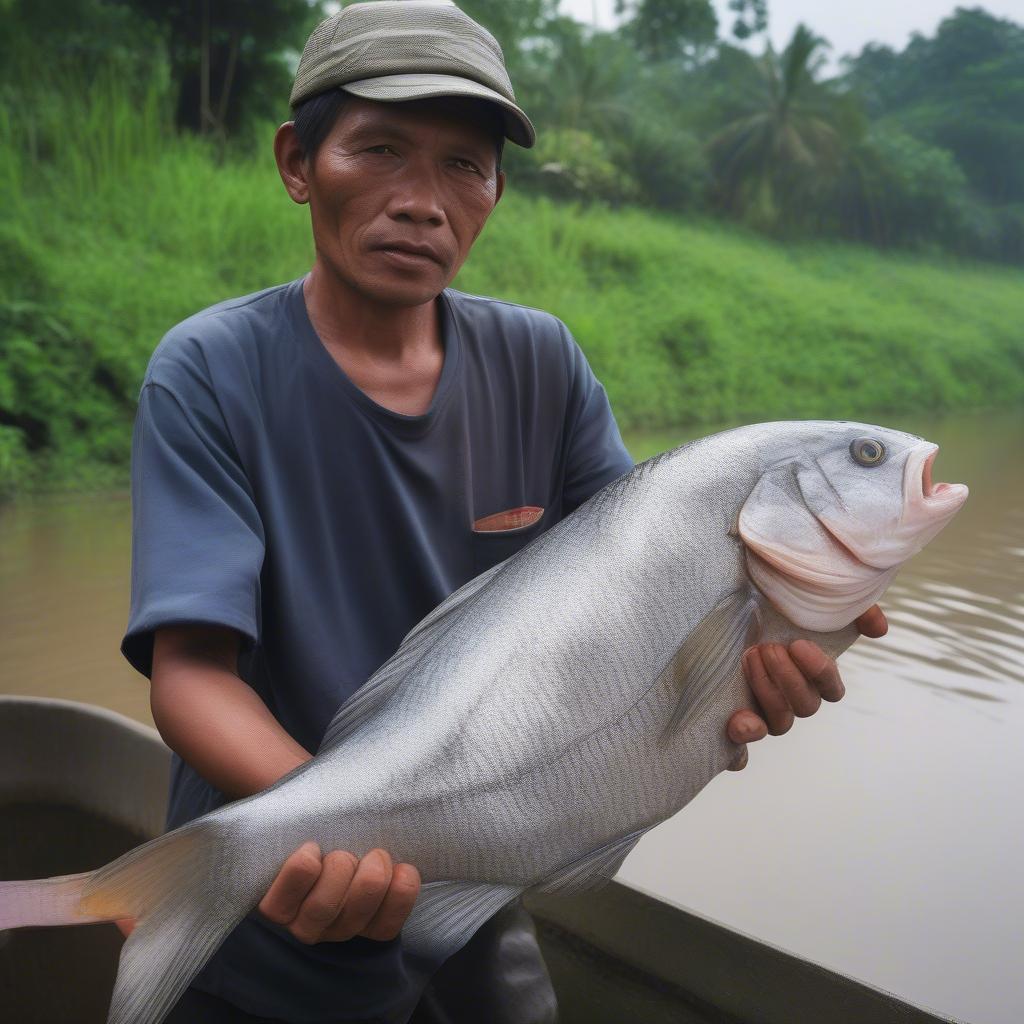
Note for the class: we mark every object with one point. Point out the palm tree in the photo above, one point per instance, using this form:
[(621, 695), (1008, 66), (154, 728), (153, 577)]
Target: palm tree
[(785, 145), (583, 79)]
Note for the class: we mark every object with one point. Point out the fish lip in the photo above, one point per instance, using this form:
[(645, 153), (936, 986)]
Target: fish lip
[(920, 488)]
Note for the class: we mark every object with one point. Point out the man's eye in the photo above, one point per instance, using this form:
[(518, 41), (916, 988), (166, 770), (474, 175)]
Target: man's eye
[(467, 164), (380, 148)]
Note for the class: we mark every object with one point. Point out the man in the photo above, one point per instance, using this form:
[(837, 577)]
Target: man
[(319, 464)]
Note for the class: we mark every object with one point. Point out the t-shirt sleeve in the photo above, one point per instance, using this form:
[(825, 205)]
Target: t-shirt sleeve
[(596, 455), (197, 537)]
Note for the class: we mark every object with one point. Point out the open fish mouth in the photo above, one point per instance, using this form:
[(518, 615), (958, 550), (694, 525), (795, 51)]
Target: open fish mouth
[(922, 493)]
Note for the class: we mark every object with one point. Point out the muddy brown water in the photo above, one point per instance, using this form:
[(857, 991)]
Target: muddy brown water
[(883, 838)]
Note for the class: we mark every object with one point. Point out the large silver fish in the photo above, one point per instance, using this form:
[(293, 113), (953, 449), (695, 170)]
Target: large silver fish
[(541, 719)]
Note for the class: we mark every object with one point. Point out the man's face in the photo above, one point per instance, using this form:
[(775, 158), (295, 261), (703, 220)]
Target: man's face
[(393, 175)]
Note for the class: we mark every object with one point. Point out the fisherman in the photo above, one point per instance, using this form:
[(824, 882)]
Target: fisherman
[(317, 465)]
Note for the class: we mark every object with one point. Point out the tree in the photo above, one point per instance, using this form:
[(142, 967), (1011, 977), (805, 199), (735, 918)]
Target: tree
[(962, 90), (662, 29), (784, 146), (228, 57), (582, 79), (93, 35), (751, 17)]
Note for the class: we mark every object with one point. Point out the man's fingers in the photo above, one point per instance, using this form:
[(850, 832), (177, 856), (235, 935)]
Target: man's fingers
[(365, 895), (396, 905), (873, 622), (739, 762), (819, 668), (324, 902), (777, 712), (746, 726), (297, 876), (802, 697)]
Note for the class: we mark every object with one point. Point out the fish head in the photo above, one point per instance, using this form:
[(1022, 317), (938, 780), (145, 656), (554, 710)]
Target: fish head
[(831, 520)]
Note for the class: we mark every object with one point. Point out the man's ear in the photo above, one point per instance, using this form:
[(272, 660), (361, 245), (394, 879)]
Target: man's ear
[(291, 164), (500, 187)]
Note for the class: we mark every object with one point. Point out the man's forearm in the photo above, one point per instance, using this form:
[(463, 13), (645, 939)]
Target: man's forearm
[(217, 723)]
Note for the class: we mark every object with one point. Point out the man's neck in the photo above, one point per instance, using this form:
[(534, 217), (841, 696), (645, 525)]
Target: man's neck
[(393, 354), (348, 321)]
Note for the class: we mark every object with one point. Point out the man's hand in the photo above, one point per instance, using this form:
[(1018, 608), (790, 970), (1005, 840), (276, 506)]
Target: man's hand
[(790, 683), (339, 896)]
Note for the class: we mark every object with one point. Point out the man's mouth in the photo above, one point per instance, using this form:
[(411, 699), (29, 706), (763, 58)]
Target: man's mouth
[(412, 253)]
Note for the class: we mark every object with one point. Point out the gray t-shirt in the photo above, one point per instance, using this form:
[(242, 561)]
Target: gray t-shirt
[(271, 495)]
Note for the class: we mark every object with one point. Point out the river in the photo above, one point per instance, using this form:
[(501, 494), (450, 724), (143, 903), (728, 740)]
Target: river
[(884, 837)]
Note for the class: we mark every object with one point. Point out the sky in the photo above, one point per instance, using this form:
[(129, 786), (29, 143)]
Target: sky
[(847, 26)]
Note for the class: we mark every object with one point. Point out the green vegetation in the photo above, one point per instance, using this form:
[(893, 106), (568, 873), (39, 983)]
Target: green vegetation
[(116, 228), (921, 149)]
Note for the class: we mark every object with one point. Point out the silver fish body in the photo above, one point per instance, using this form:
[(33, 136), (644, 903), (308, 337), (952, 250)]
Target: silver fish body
[(536, 724)]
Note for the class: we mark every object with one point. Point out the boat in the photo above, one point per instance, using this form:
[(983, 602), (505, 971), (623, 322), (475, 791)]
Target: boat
[(79, 785)]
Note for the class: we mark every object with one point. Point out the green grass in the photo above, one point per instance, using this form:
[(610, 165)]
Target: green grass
[(116, 229)]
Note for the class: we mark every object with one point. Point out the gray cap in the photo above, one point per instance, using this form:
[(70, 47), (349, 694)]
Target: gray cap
[(395, 50)]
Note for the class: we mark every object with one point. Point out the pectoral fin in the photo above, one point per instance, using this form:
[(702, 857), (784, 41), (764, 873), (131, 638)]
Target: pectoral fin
[(711, 655)]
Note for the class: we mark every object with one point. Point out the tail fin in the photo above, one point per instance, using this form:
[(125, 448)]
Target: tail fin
[(183, 906), (43, 901)]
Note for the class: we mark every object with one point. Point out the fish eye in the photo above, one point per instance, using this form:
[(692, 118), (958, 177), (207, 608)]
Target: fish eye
[(866, 451)]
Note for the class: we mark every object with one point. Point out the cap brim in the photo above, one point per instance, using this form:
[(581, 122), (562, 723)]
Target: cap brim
[(396, 88)]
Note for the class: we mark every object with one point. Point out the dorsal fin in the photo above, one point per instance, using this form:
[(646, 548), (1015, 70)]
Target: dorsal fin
[(376, 691)]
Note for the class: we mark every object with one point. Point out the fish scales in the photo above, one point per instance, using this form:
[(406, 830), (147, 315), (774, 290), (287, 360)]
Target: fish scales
[(537, 723), (520, 795)]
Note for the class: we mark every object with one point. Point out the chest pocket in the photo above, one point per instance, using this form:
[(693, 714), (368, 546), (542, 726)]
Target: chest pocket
[(499, 536)]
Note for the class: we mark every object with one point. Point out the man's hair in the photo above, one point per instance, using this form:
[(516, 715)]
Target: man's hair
[(315, 117)]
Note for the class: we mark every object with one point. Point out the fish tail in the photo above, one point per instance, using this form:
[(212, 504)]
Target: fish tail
[(182, 902), (43, 901)]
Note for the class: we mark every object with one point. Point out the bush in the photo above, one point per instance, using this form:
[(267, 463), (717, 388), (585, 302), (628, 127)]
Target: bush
[(572, 164), (667, 163), (896, 190)]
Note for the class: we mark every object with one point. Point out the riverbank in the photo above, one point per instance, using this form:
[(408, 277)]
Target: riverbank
[(128, 230)]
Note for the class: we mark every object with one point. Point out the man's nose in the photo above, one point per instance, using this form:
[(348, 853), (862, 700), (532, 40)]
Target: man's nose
[(417, 196)]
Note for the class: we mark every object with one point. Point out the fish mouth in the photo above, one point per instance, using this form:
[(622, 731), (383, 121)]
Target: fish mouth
[(921, 492)]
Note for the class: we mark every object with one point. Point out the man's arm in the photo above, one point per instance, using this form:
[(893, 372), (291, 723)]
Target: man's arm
[(212, 718), (216, 722)]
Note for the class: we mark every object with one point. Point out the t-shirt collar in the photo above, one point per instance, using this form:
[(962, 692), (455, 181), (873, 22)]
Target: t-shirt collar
[(408, 426)]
